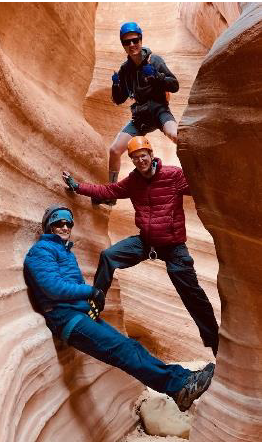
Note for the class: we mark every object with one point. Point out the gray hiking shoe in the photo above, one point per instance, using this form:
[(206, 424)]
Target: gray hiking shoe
[(197, 383)]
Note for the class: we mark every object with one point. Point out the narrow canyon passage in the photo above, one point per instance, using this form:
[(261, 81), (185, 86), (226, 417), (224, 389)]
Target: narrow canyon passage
[(56, 63)]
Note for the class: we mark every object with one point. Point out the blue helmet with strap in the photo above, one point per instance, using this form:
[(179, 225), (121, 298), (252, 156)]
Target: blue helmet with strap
[(130, 27)]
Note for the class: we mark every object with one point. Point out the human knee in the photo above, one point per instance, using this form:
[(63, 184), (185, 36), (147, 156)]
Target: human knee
[(113, 151), (106, 255), (128, 355), (170, 130), (172, 135), (116, 149)]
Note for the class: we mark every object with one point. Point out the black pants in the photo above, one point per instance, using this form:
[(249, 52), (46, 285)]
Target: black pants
[(180, 268)]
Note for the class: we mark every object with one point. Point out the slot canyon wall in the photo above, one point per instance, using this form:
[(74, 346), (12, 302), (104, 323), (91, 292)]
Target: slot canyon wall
[(49, 392), (56, 62), (220, 149)]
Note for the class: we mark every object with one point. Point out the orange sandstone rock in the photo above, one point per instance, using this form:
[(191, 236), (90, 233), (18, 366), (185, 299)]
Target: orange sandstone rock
[(207, 20), (50, 392), (220, 150)]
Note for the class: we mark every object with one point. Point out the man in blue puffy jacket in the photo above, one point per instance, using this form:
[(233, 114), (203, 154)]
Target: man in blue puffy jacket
[(71, 309), (145, 78)]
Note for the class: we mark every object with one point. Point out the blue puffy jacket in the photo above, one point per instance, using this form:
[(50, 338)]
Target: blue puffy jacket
[(58, 287)]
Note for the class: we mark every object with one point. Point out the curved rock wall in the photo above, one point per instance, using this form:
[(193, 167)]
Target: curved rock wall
[(219, 147), (49, 392), (207, 20)]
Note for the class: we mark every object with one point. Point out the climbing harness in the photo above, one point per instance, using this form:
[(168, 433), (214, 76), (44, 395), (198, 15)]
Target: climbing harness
[(152, 254)]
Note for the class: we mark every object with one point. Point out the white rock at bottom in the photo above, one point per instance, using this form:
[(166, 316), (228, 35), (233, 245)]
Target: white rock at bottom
[(161, 417)]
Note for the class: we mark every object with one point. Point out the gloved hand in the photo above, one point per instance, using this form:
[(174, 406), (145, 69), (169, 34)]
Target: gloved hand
[(115, 78), (149, 70), (69, 180), (94, 311), (152, 76), (98, 297)]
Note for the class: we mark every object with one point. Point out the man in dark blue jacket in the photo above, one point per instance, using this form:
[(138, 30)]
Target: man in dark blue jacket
[(71, 309)]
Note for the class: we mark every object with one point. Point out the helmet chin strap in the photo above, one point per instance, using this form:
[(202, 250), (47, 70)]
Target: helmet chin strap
[(151, 172), (153, 167)]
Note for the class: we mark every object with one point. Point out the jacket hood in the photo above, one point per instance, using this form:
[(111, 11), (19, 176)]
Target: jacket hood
[(159, 163)]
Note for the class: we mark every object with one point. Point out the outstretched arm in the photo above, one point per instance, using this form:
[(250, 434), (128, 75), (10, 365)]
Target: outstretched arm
[(118, 190)]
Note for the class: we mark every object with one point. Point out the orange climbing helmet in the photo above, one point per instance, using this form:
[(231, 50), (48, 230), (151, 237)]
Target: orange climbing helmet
[(137, 143)]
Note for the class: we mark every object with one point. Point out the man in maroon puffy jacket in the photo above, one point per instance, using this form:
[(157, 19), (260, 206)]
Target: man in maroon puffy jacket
[(156, 192)]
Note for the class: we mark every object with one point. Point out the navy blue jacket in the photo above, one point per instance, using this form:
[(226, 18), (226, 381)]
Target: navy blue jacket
[(52, 273)]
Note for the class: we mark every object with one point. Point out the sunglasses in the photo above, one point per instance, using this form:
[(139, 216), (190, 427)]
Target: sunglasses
[(61, 224), (127, 42)]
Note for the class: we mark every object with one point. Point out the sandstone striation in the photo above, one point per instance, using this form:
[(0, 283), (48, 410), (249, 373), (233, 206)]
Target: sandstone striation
[(207, 20), (48, 392), (220, 150)]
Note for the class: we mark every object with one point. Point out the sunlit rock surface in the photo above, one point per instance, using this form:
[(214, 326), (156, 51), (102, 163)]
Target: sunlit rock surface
[(207, 20), (220, 150)]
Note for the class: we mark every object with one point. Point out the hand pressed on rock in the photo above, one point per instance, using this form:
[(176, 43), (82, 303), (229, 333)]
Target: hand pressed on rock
[(69, 180)]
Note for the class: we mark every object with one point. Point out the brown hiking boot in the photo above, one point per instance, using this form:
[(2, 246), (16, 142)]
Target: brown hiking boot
[(96, 202), (197, 383)]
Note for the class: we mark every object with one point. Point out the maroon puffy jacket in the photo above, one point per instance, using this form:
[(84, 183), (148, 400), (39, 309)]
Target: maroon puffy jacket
[(158, 202)]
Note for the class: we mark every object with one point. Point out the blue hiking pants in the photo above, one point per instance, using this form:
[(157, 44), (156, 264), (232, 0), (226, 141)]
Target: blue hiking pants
[(105, 343), (180, 268)]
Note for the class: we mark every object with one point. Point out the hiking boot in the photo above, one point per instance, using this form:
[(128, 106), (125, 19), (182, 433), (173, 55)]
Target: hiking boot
[(97, 201), (197, 383), (110, 202)]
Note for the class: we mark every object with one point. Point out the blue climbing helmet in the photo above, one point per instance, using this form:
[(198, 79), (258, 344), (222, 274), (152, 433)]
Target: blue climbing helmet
[(129, 27)]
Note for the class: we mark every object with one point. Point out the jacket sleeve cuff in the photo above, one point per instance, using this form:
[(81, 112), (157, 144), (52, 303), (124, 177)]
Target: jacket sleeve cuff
[(83, 189), (89, 290)]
